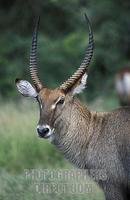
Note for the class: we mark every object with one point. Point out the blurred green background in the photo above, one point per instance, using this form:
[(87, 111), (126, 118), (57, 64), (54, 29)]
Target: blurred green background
[(62, 40)]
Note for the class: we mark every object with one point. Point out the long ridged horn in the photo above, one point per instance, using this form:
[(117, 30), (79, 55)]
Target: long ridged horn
[(84, 65), (33, 59)]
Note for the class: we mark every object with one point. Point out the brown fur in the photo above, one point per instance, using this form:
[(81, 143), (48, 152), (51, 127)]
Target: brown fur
[(92, 140)]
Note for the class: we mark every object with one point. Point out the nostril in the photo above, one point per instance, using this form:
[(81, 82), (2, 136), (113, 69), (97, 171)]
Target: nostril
[(45, 130), (39, 130), (42, 131)]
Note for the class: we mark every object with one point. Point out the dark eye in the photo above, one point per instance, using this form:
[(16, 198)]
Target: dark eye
[(61, 100)]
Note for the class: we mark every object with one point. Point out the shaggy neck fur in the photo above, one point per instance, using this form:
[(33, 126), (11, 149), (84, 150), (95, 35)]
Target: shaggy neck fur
[(75, 131)]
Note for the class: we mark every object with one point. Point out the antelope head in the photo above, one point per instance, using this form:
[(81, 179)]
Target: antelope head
[(53, 103)]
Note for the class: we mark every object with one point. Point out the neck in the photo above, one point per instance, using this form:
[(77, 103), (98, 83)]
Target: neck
[(74, 132)]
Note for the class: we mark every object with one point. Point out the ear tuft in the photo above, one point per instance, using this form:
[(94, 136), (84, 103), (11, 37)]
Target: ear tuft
[(81, 85), (25, 88)]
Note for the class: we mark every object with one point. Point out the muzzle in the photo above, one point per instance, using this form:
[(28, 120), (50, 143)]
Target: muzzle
[(44, 131)]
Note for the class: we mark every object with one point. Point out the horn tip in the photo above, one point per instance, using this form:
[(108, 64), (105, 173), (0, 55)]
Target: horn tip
[(38, 19), (86, 18)]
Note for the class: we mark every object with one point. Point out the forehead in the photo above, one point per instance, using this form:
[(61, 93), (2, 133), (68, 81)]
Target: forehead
[(49, 94)]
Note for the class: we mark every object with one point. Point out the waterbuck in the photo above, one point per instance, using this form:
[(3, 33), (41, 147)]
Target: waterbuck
[(122, 86), (90, 140)]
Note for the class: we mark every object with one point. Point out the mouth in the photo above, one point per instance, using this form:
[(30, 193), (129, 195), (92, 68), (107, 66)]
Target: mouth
[(44, 137)]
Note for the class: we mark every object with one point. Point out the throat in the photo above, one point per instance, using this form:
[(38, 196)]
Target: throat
[(72, 136)]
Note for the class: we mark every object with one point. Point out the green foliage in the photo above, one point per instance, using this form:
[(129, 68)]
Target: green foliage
[(62, 41), (20, 147), (112, 47)]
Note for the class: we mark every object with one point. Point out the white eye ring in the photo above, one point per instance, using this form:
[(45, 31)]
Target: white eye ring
[(58, 102), (61, 100)]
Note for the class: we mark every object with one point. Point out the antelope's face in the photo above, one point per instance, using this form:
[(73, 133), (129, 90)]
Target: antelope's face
[(51, 105), (53, 102)]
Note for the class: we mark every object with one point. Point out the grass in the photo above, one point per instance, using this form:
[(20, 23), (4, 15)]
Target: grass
[(19, 145), (20, 149), (17, 187)]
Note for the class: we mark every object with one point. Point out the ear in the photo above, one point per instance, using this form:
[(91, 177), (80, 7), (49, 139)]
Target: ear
[(25, 88), (80, 85)]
